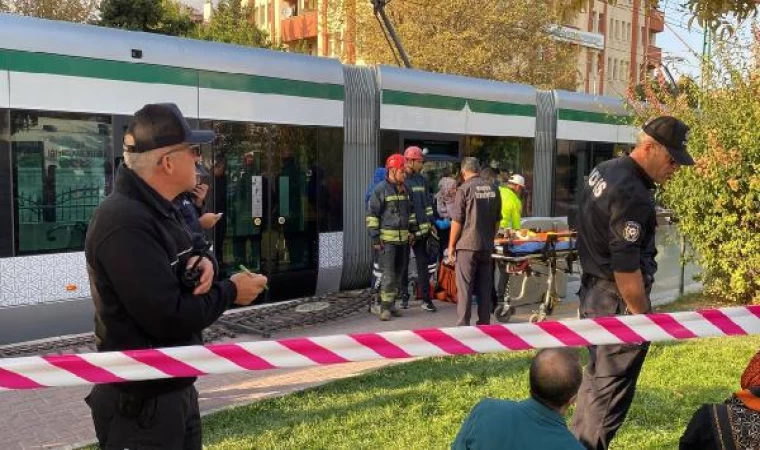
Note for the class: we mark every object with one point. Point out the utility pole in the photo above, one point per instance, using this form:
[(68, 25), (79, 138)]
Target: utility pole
[(706, 51), (380, 12)]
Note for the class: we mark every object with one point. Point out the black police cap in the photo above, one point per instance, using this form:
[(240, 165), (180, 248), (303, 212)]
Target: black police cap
[(162, 125), (673, 134)]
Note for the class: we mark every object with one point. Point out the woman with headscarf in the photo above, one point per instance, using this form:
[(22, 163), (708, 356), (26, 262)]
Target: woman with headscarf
[(733, 424), (444, 204)]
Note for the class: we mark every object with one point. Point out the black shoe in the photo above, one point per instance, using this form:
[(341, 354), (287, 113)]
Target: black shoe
[(404, 304), (428, 305)]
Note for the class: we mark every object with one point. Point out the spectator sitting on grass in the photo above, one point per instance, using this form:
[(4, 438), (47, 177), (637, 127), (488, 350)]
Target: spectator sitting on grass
[(537, 423), (730, 425)]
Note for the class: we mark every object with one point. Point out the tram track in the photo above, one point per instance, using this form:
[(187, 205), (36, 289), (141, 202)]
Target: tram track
[(260, 322)]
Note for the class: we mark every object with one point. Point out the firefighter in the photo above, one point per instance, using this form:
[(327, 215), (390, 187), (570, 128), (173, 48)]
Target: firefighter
[(392, 226), (422, 204)]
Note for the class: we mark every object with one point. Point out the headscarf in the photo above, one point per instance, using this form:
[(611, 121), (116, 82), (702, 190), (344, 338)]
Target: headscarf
[(750, 384), (445, 196), (751, 375)]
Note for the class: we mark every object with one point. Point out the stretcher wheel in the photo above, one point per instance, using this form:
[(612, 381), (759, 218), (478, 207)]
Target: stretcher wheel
[(550, 301), (536, 317), (504, 312)]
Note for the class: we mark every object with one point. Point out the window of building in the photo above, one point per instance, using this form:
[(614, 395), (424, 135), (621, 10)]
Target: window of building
[(262, 16), (609, 68), (601, 24), (615, 69), (60, 165)]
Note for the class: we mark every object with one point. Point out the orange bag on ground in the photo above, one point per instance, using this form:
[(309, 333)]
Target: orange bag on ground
[(446, 291)]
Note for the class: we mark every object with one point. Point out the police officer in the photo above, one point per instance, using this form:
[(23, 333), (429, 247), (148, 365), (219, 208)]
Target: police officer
[(616, 245), (138, 254), (475, 220), (391, 224), (416, 186)]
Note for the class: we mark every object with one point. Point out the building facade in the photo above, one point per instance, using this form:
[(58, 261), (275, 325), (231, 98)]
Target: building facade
[(617, 43), (627, 32)]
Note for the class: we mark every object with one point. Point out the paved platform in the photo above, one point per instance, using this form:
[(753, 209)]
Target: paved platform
[(57, 418)]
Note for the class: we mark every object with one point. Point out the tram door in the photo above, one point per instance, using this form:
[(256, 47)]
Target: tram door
[(261, 175)]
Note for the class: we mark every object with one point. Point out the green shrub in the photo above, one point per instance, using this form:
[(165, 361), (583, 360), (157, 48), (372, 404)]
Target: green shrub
[(718, 200)]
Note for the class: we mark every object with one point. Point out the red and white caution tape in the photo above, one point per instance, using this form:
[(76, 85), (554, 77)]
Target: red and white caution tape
[(133, 365)]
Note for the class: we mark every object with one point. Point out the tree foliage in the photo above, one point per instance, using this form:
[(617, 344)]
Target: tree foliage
[(718, 15), (718, 201), (139, 15), (231, 23), (68, 10), (495, 39)]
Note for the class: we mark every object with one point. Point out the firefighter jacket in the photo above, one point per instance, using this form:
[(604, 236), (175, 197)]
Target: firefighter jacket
[(422, 202), (390, 215)]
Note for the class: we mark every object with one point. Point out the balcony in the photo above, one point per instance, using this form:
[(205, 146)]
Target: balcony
[(656, 21), (300, 27), (654, 56)]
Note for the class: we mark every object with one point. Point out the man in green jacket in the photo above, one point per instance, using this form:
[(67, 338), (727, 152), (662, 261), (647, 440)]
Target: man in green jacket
[(537, 423), (511, 214), (511, 205)]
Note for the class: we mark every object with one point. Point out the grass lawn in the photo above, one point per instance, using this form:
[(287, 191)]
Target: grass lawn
[(420, 405)]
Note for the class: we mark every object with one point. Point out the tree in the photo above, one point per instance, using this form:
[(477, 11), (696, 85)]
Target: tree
[(715, 14), (139, 15), (503, 40), (717, 202), (68, 10), (156, 16), (232, 23), (176, 19)]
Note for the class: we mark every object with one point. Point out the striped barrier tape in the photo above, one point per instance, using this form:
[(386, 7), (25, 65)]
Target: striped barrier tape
[(133, 365)]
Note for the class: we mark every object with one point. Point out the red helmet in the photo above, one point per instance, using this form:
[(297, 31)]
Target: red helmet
[(395, 161), (413, 153)]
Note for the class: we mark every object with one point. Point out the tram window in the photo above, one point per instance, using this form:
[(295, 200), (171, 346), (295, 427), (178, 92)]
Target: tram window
[(60, 176), (509, 155), (6, 192), (328, 180)]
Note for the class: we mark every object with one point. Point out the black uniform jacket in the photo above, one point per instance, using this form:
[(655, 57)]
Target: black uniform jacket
[(617, 221), (137, 249)]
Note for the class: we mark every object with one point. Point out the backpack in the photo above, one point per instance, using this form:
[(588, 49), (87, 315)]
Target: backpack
[(446, 289)]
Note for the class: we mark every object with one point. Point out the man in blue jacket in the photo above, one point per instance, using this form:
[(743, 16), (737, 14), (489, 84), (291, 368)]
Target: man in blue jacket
[(537, 423)]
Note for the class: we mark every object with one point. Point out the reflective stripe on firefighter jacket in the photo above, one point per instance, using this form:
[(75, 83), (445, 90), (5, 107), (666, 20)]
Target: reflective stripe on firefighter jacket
[(422, 202), (390, 216)]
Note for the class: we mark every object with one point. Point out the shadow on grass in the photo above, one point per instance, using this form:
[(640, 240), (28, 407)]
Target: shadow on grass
[(424, 387), (385, 409)]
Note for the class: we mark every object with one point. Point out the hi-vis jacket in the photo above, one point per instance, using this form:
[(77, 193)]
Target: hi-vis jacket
[(390, 216), (416, 185)]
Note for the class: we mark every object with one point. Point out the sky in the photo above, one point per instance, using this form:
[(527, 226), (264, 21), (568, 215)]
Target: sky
[(681, 45), (678, 42)]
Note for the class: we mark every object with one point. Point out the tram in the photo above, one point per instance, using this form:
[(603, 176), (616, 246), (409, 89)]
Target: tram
[(298, 140)]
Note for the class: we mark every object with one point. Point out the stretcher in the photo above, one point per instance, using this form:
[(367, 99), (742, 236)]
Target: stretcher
[(522, 255)]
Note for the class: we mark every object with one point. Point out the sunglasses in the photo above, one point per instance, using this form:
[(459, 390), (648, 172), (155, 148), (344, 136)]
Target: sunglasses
[(195, 149)]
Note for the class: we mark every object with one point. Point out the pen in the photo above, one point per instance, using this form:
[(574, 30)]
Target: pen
[(248, 272)]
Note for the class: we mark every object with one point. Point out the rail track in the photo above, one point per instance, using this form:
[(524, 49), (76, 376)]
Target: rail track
[(262, 322)]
